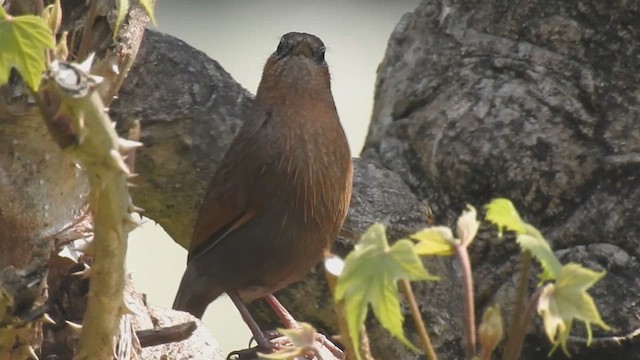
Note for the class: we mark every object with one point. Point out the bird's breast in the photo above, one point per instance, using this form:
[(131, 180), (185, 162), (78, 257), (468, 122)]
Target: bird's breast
[(305, 166)]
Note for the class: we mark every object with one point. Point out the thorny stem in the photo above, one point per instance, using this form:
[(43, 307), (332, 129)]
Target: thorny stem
[(417, 318), (97, 149), (520, 331), (470, 316), (519, 300)]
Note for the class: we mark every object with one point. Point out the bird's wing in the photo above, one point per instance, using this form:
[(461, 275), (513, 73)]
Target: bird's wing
[(228, 203), (220, 214)]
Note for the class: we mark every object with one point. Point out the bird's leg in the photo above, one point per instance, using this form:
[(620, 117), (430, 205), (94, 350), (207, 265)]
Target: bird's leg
[(290, 322), (262, 340), (281, 312)]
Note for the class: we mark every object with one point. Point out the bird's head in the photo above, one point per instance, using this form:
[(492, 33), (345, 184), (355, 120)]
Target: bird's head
[(298, 61)]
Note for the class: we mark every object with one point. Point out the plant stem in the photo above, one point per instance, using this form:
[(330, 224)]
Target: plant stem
[(470, 316), (520, 331), (39, 7), (85, 41), (97, 149), (353, 353), (417, 319), (485, 354), (525, 259)]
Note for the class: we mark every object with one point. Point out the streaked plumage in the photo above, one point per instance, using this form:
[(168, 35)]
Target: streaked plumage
[(282, 190)]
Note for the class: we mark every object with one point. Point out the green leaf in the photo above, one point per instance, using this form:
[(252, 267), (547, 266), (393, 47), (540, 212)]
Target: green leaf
[(148, 7), (370, 276), (502, 213), (541, 250), (23, 41), (436, 240), (490, 331), (567, 300)]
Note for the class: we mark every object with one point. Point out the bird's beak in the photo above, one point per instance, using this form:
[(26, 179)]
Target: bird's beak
[(303, 49)]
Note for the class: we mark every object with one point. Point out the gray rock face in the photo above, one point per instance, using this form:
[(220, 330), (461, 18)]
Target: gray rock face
[(190, 109), (534, 103)]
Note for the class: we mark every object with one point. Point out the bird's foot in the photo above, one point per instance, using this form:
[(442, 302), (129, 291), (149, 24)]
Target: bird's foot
[(244, 354), (268, 343), (320, 348)]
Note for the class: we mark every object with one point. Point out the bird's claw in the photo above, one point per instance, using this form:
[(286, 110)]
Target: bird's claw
[(322, 349)]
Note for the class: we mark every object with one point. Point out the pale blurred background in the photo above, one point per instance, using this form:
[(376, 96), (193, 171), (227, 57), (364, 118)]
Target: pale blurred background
[(240, 35)]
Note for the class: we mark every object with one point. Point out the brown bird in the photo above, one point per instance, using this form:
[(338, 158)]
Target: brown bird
[(282, 191)]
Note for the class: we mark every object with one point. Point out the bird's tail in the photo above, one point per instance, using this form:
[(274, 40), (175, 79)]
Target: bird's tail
[(193, 294)]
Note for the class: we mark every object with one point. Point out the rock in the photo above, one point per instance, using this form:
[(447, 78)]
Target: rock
[(527, 102), (473, 101), (189, 109)]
